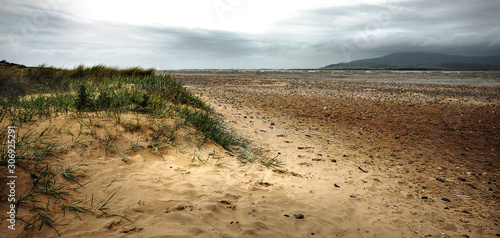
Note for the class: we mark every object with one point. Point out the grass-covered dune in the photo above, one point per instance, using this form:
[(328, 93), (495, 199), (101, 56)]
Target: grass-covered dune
[(71, 113)]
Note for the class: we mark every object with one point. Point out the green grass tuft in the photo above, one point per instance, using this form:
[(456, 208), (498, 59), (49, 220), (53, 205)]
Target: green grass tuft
[(32, 93)]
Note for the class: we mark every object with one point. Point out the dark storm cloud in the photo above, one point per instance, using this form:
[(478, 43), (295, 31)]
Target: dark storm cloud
[(454, 27)]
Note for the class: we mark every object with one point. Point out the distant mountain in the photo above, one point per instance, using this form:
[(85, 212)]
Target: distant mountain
[(423, 61)]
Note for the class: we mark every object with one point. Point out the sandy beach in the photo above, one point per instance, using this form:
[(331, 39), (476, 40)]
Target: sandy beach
[(360, 159), (373, 159)]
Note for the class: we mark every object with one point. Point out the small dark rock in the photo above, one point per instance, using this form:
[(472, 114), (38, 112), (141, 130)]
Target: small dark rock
[(462, 179), (446, 199), (272, 124), (441, 180), (425, 197), (353, 196), (299, 216), (337, 186), (334, 160), (286, 215), (424, 187), (376, 179), (363, 169), (472, 186)]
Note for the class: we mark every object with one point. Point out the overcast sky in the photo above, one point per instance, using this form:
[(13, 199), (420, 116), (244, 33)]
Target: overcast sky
[(226, 34)]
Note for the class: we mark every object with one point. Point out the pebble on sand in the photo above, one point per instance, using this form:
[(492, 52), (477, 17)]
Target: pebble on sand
[(441, 180), (363, 169)]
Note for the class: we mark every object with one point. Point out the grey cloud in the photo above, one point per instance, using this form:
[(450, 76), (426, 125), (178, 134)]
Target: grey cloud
[(312, 38), (456, 27)]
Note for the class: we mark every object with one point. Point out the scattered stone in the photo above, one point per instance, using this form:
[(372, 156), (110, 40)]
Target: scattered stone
[(441, 180), (337, 186), (425, 197), (305, 147), (272, 124), (376, 179), (299, 216), (363, 169), (286, 215), (334, 160), (472, 186), (446, 199), (353, 196), (462, 179)]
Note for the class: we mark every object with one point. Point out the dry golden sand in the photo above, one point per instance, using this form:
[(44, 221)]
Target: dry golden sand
[(360, 158)]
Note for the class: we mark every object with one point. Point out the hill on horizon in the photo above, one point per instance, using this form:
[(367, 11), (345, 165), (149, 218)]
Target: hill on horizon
[(423, 61)]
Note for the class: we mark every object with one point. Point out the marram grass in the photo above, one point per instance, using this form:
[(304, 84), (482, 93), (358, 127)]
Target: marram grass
[(30, 94)]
